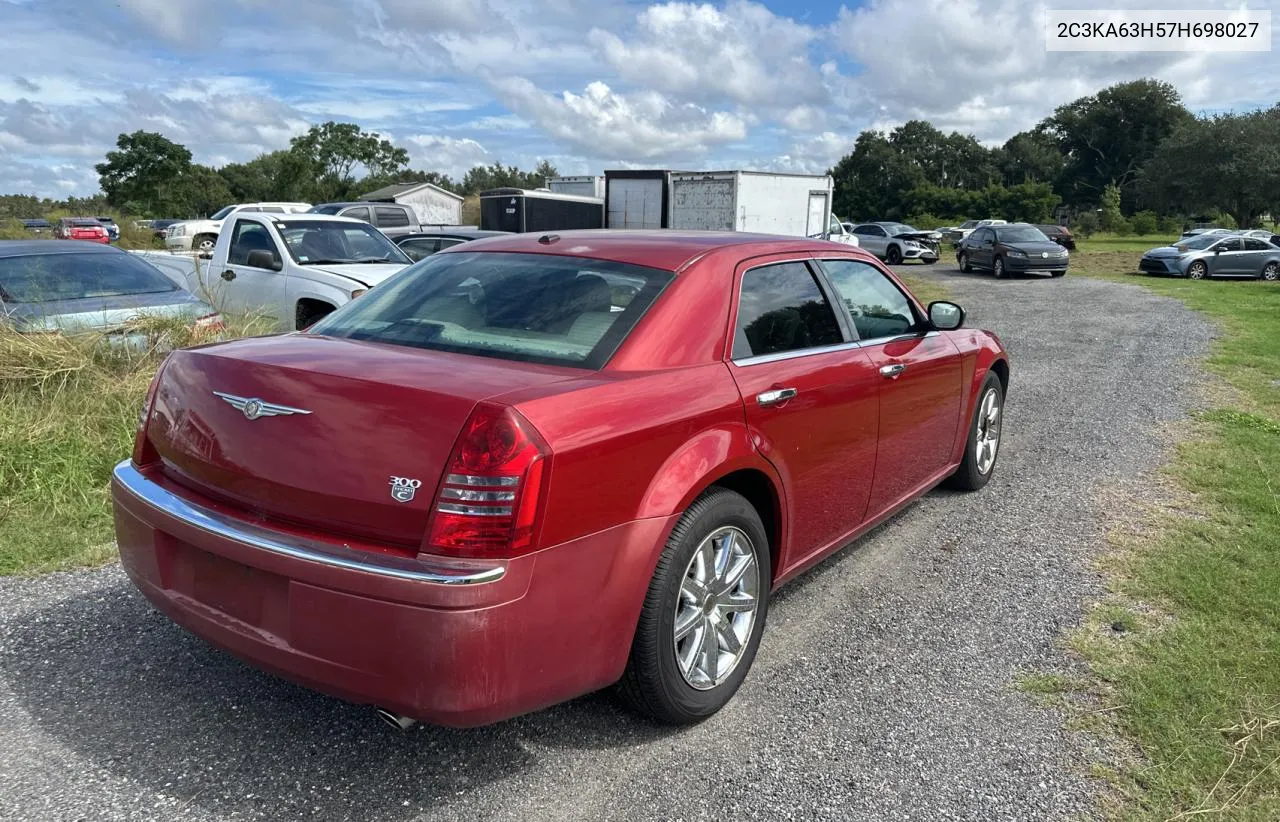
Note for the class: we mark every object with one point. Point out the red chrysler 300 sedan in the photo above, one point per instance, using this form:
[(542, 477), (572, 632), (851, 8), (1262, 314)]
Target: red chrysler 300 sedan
[(533, 467)]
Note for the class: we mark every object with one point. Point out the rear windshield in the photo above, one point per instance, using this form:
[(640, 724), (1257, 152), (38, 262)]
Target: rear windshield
[(530, 307), (41, 278)]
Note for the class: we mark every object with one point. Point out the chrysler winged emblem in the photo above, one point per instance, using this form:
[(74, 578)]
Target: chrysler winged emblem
[(253, 408)]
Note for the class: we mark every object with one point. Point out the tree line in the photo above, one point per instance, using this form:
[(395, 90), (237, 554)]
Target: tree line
[(1127, 158)]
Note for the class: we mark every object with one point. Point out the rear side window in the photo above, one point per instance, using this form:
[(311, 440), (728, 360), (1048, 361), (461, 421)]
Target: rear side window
[(530, 307), (1254, 244), (391, 217), (782, 309), (875, 304)]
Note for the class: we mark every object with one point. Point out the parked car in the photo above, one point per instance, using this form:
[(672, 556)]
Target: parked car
[(413, 503), (425, 243), (1196, 232), (838, 232), (896, 242), (1060, 234), (393, 219), (57, 285), (113, 230), (81, 228), (1012, 248), (955, 234), (38, 226), (295, 268), (200, 235), (161, 227), (1215, 255), (1257, 234)]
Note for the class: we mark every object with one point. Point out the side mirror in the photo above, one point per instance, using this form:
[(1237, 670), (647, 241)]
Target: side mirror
[(1218, 249), (261, 258), (946, 316)]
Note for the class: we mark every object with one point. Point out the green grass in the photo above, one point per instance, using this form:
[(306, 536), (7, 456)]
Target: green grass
[(68, 408), (1197, 587), (1133, 242)]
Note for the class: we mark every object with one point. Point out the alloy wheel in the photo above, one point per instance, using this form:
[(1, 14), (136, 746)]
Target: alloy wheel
[(1271, 272), (988, 430), (998, 269), (1197, 271), (719, 598)]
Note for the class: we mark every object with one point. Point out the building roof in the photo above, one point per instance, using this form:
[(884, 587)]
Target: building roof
[(395, 190)]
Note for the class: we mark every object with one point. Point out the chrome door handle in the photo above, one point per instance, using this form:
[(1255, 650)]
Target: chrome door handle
[(775, 396), (892, 371)]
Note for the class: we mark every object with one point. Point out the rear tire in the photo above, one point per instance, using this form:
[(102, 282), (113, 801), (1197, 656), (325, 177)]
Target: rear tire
[(667, 673), (893, 256), (982, 448), (963, 260), (1271, 272)]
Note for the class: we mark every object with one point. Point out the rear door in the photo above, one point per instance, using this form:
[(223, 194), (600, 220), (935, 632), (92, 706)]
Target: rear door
[(635, 202), (921, 381), (873, 238), (1256, 254), (245, 288), (810, 398)]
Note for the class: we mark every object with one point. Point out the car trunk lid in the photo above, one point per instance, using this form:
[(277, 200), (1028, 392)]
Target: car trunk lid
[(314, 431)]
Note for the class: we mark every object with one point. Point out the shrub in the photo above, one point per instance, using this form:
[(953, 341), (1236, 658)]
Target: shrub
[(926, 221), (1087, 224), (1145, 222)]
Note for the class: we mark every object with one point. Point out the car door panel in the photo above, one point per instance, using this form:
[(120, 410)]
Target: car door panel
[(247, 288), (822, 438), (921, 373)]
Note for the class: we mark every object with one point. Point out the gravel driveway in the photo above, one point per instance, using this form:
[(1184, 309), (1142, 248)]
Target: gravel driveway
[(882, 690)]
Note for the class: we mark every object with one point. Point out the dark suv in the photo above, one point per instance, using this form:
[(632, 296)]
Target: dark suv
[(1016, 247)]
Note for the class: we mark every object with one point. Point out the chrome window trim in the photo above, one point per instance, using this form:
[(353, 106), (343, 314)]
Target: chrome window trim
[(747, 362), (212, 522)]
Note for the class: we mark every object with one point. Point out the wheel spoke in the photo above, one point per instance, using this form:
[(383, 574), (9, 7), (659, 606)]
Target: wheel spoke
[(686, 621), (724, 629), (710, 651), (733, 603), (705, 569), (693, 591), (734, 571)]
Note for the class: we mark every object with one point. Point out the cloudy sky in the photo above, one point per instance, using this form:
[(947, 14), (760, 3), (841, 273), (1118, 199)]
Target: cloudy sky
[(587, 84)]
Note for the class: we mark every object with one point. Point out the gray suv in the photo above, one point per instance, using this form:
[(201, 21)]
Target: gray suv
[(392, 219)]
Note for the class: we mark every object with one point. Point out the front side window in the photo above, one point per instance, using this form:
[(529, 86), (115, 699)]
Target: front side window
[(530, 307), (878, 308), (781, 308), (1231, 244), (321, 242), (361, 213), (418, 249), (42, 278), (249, 236), (869, 231)]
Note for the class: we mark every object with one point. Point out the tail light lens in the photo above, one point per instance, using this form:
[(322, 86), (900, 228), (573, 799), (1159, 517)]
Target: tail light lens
[(209, 325), (487, 505), (143, 451)]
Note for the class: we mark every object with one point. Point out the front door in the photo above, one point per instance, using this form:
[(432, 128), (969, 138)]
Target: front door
[(921, 376), (1228, 259), (982, 249), (245, 288), (811, 402)]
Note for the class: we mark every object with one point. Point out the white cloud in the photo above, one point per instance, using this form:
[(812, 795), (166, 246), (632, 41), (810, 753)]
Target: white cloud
[(603, 123), (743, 52), (449, 155)]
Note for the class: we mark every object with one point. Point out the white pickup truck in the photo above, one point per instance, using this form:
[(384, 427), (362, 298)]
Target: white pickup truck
[(293, 267), (200, 235)]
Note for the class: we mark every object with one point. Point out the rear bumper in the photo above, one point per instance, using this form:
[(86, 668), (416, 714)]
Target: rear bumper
[(448, 642)]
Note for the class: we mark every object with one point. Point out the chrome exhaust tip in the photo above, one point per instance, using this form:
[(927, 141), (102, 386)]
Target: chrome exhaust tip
[(397, 721)]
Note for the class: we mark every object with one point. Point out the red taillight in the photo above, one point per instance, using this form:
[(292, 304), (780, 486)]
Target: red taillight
[(143, 452), (487, 505)]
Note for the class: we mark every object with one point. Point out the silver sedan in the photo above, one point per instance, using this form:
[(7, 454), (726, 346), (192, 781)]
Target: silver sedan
[(1215, 255)]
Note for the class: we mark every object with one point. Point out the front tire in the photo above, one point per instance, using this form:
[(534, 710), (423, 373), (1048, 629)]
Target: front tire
[(704, 612), (997, 268), (983, 445), (204, 243), (1198, 271)]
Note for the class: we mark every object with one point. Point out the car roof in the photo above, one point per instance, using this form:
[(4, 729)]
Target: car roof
[(467, 233), (659, 248), (23, 248)]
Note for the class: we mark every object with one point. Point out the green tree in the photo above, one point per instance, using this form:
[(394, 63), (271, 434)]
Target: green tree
[(1108, 136), (200, 191), (333, 151), (482, 178), (1111, 216), (281, 176), (142, 176), (1029, 157), (1229, 162)]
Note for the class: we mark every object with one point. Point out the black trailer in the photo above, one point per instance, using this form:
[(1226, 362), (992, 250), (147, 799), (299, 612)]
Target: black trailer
[(524, 210)]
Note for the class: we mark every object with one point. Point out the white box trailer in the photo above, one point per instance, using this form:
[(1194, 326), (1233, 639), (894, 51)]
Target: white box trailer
[(789, 204), (637, 198), (582, 186)]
